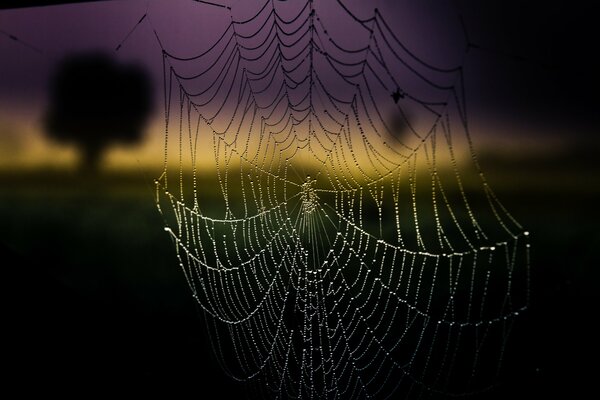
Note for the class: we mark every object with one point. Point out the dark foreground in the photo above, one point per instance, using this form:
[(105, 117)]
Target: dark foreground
[(93, 300)]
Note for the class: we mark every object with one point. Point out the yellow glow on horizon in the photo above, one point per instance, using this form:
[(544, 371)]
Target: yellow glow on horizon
[(23, 145)]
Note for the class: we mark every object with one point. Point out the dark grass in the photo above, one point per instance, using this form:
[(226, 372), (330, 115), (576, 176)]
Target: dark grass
[(94, 298)]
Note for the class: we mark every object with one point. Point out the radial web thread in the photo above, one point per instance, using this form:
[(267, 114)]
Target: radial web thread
[(334, 257)]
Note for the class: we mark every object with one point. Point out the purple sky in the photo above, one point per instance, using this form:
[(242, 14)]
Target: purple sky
[(185, 27), (529, 67)]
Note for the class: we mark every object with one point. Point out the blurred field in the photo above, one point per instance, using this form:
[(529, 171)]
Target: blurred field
[(91, 279)]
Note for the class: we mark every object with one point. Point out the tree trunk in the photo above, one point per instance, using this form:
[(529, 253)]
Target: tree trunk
[(91, 159)]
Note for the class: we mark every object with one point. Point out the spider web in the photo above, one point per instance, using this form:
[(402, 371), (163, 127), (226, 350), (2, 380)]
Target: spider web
[(346, 247)]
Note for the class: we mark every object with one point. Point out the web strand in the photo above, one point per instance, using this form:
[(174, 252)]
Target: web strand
[(334, 256)]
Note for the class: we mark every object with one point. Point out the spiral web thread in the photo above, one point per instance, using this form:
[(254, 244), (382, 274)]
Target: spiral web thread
[(337, 259)]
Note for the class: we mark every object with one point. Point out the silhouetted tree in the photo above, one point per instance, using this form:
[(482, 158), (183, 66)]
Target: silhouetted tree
[(399, 126), (95, 102)]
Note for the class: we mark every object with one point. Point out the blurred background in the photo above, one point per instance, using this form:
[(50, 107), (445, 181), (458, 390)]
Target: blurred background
[(92, 291)]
